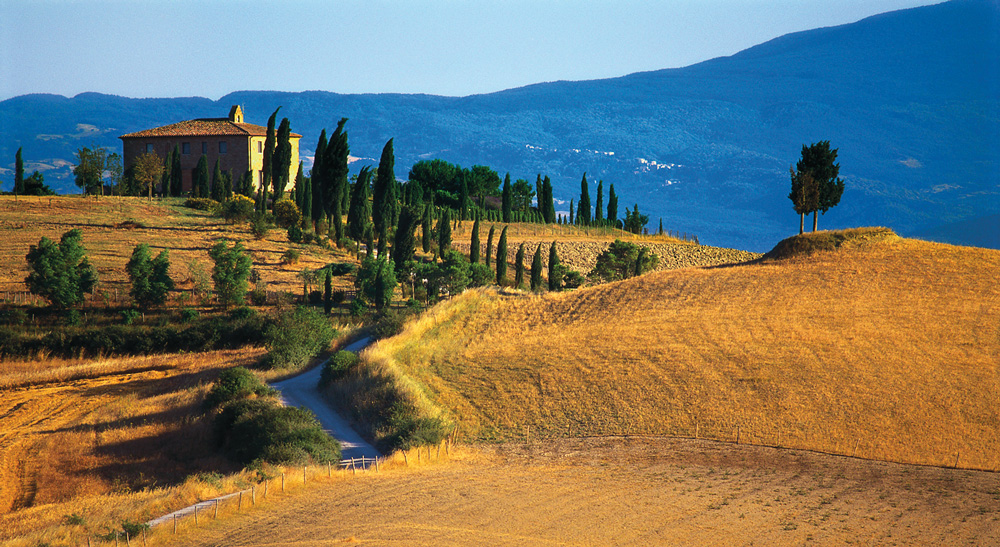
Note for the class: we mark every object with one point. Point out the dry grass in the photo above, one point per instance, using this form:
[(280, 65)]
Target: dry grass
[(630, 491), (186, 233), (888, 349), (101, 438)]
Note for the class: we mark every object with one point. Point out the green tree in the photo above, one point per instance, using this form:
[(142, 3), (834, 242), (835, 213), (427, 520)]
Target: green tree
[(599, 204), (571, 212), (489, 244), (426, 235), (583, 212), (519, 268), (521, 194), (555, 274), (281, 162), (218, 184), (150, 277), (231, 272), (505, 207), (168, 165), (463, 196), (474, 246), (116, 173), (612, 207), (634, 221), (502, 258), (816, 185), (360, 210), (536, 269), (35, 186), (444, 232), (286, 213), (405, 242), (89, 170), (201, 178), (61, 273), (622, 260), (377, 281), (382, 190), (660, 231), (316, 176), (307, 200), (146, 171), (18, 174), (176, 174), (269, 143), (328, 292), (336, 171)]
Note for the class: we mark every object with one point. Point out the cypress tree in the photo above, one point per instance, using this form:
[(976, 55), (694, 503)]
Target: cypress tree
[(168, 163), (201, 178), (405, 242), (444, 232), (506, 200), (360, 210), (383, 241), (598, 213), (316, 178), (550, 204), (382, 189), (335, 178), (18, 174), (218, 190), (502, 258), (268, 155), (463, 195), (489, 244), (474, 245), (369, 240), (307, 201), (660, 232), (300, 188), (519, 268), (583, 212), (536, 269), (612, 207), (176, 174), (571, 211), (425, 230), (555, 281), (540, 195), (281, 163)]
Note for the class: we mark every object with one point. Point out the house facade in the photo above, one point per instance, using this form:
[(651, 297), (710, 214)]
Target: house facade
[(237, 145)]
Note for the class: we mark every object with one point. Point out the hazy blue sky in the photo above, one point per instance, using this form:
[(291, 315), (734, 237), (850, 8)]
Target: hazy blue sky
[(163, 48)]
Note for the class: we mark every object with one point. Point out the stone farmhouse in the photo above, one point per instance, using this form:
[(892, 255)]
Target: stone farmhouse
[(239, 146)]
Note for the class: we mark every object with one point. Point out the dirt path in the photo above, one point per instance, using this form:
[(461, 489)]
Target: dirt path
[(302, 391)]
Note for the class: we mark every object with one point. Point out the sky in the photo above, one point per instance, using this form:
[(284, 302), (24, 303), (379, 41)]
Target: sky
[(206, 48)]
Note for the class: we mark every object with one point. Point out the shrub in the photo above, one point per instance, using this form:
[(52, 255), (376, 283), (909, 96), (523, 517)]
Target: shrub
[(337, 367), (237, 209), (61, 273), (150, 278), (129, 316), (286, 213), (234, 384), (622, 260), (295, 234), (189, 314), (14, 316), (480, 275), (243, 312), (307, 237), (202, 204), (573, 279), (260, 225), (387, 324), (316, 297), (296, 336), (259, 430), (290, 256), (231, 272), (358, 307), (258, 297)]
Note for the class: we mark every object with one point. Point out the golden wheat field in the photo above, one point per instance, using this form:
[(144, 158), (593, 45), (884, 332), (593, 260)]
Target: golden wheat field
[(886, 349), (624, 491), (163, 224)]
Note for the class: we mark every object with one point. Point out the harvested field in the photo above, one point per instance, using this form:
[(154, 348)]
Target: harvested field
[(629, 491)]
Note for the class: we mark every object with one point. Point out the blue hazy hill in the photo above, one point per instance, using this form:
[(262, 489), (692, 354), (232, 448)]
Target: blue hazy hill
[(911, 99)]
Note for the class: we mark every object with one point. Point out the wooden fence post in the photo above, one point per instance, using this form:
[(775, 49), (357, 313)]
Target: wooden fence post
[(175, 523), (216, 509), (304, 474), (253, 495), (282, 481), (239, 505), (265, 487), (196, 513), (376, 465)]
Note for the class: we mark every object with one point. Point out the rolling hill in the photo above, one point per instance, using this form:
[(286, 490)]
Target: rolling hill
[(910, 98)]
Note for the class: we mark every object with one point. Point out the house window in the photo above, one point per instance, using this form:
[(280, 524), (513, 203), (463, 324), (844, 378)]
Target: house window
[(185, 148), (149, 148), (204, 148), (222, 147), (260, 147)]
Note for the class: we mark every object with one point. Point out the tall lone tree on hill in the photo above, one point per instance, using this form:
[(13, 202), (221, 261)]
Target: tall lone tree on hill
[(269, 139), (824, 189), (599, 204), (612, 207), (583, 213), (502, 258), (18, 174), (555, 275)]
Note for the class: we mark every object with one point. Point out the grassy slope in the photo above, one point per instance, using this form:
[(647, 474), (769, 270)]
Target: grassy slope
[(886, 349)]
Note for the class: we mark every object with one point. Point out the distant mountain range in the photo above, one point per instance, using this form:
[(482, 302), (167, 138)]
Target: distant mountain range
[(911, 98)]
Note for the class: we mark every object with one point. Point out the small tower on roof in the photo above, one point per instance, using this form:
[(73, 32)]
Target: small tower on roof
[(236, 114)]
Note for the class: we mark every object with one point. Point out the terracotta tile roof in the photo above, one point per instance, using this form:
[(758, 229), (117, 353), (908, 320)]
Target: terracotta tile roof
[(204, 127)]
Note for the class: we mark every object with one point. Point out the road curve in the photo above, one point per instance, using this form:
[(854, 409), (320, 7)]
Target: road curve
[(302, 391)]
